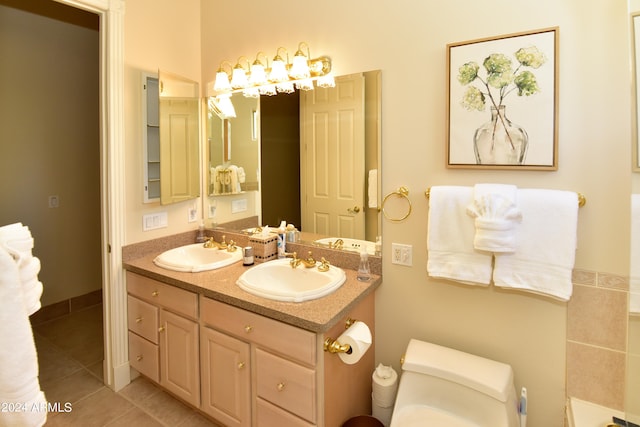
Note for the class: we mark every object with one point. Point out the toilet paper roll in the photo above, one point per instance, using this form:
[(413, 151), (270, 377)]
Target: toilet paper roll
[(358, 336), (384, 385)]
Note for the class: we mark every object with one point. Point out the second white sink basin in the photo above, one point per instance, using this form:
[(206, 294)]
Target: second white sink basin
[(354, 245), (194, 258), (277, 280)]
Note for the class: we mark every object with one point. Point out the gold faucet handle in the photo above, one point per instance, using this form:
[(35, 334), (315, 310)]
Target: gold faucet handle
[(231, 247), (209, 243), (324, 265)]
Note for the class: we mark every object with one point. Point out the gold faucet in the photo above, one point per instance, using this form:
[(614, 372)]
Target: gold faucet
[(211, 243), (308, 262), (338, 244)]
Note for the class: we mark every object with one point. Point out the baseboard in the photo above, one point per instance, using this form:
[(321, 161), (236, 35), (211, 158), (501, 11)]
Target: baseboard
[(65, 307)]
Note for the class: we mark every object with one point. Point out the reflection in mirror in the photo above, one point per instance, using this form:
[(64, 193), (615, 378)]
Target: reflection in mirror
[(179, 138), (234, 148), (311, 146)]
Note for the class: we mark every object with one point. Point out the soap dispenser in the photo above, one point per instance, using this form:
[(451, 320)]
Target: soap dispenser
[(364, 274)]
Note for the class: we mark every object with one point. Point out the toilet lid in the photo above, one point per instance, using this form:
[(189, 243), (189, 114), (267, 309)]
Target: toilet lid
[(422, 416)]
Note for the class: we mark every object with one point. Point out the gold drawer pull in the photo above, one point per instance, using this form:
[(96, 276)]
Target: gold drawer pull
[(248, 328), (161, 329), (240, 365), (139, 319), (139, 358), (155, 293), (280, 386)]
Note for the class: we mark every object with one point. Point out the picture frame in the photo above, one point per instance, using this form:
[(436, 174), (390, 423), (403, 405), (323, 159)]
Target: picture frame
[(502, 103)]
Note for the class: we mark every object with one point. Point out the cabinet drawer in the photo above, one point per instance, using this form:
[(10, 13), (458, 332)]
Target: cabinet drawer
[(142, 318), (172, 298), (296, 343), (143, 357), (286, 384), (272, 416)]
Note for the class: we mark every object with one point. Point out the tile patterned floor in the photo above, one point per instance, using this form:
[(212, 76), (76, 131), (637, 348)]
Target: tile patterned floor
[(70, 353)]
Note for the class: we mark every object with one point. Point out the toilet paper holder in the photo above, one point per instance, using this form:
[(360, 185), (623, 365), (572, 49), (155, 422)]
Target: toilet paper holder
[(333, 346)]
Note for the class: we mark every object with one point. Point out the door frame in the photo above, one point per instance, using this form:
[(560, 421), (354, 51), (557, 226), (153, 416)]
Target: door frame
[(112, 199)]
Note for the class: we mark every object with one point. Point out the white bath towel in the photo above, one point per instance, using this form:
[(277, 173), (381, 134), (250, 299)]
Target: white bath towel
[(546, 245), (496, 213), (242, 176), (19, 386), (450, 238), (372, 188), (31, 287), (17, 240)]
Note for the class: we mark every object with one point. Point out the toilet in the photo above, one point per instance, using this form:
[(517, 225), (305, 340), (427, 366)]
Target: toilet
[(440, 386)]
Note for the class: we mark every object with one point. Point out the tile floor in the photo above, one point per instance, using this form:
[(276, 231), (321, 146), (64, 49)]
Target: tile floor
[(70, 353)]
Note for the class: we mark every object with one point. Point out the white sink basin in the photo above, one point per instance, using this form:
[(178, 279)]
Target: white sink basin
[(354, 245), (196, 257), (277, 280)]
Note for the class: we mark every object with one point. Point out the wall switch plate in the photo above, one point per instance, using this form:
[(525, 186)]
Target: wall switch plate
[(402, 254), (239, 206), (193, 213), (154, 220), (54, 201)]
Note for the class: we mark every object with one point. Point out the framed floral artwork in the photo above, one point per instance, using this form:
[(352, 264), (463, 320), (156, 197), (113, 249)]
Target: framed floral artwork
[(503, 102)]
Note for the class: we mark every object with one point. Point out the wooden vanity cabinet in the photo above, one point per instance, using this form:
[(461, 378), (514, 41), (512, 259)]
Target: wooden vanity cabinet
[(276, 374), (164, 335)]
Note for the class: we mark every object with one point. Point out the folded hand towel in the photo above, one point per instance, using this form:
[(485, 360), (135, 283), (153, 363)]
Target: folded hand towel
[(18, 359), (372, 188), (242, 176), (496, 213), (17, 240), (546, 244), (450, 238)]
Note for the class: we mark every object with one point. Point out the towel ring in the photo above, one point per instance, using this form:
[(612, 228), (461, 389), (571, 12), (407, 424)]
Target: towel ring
[(402, 192)]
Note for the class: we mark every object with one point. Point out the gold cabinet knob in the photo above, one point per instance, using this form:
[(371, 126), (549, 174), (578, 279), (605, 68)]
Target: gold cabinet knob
[(240, 365), (139, 358), (280, 386), (248, 328), (161, 329), (155, 293), (139, 319)]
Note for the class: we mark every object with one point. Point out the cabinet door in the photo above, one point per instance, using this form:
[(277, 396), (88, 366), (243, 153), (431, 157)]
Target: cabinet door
[(226, 378), (179, 358)]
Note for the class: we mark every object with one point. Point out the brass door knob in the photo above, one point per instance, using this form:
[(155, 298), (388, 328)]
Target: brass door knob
[(354, 209), (161, 329)]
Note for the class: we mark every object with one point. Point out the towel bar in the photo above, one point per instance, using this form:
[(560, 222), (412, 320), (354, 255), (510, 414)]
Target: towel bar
[(582, 200)]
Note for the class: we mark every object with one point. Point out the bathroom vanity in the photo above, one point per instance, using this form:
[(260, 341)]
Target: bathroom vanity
[(246, 360)]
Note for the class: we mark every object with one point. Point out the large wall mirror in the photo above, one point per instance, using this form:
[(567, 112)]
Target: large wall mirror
[(179, 138), (313, 157)]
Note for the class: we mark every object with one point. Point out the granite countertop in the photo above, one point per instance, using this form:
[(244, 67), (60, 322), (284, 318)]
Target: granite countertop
[(317, 315)]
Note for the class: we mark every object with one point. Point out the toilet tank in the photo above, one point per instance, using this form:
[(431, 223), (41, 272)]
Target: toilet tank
[(476, 388)]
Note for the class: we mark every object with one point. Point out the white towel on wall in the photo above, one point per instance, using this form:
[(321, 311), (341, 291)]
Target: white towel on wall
[(450, 238), (496, 214), (372, 188), (18, 359), (546, 244)]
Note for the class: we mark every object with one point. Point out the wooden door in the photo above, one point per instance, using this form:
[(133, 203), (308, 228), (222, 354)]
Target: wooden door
[(332, 158)]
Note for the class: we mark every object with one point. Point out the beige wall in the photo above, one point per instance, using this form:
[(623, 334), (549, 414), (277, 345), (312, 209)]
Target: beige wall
[(50, 144), (526, 331), (165, 35)]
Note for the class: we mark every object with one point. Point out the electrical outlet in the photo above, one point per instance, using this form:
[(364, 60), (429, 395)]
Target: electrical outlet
[(402, 254)]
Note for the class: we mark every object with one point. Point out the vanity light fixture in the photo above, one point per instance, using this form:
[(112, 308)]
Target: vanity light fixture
[(222, 104), (259, 78), (239, 78)]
